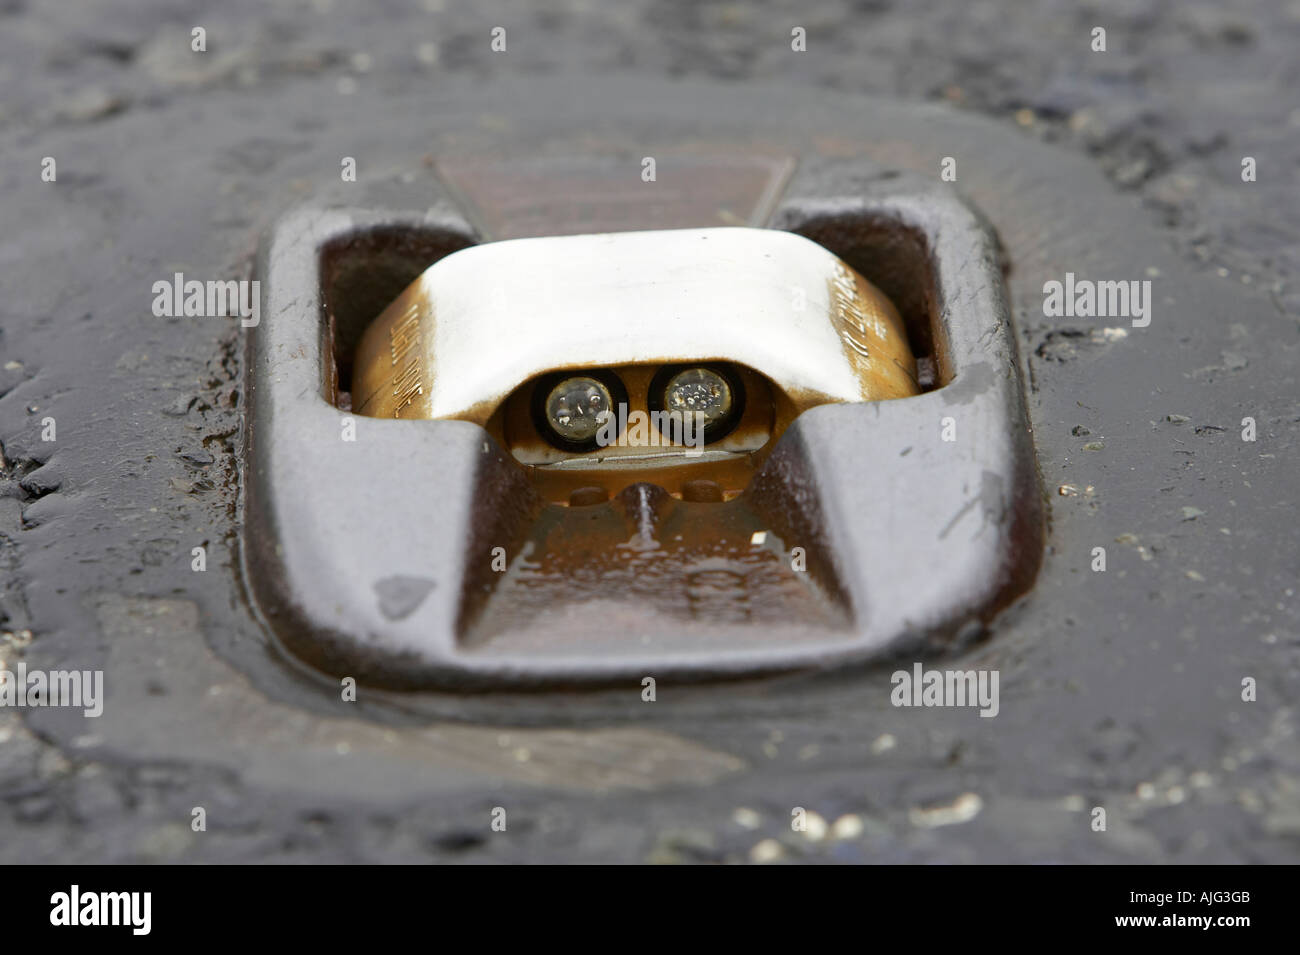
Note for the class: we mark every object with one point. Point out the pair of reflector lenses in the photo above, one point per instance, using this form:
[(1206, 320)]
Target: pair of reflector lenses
[(573, 408)]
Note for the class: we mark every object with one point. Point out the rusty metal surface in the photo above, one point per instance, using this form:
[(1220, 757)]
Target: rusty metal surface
[(584, 192)]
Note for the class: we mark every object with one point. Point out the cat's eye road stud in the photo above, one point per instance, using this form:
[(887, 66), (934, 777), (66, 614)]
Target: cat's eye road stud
[(477, 464), (632, 350)]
